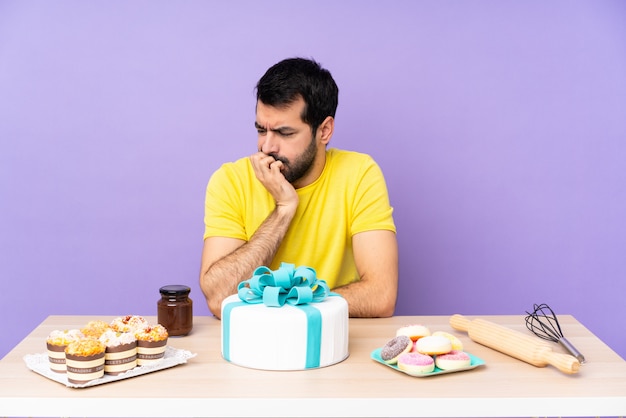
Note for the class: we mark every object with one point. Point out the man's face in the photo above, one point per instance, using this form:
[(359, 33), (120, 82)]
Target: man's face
[(283, 135)]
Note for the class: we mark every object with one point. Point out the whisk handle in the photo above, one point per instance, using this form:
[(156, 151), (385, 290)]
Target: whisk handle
[(572, 350)]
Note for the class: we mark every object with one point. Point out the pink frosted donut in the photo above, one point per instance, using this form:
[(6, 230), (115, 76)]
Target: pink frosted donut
[(414, 332), (394, 348), (455, 359), (433, 345), (416, 363)]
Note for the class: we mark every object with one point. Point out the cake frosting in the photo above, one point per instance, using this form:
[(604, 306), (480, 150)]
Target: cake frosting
[(64, 337), (284, 320), (129, 323), (113, 338), (95, 328)]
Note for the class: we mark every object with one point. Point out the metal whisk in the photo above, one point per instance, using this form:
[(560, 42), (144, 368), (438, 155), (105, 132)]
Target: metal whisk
[(543, 323)]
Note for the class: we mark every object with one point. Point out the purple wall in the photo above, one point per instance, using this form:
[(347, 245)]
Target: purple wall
[(500, 127)]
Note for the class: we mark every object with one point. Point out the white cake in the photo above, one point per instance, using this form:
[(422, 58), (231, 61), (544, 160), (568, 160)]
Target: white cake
[(277, 338)]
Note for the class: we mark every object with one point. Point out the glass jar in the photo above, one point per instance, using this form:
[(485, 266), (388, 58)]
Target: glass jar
[(175, 309)]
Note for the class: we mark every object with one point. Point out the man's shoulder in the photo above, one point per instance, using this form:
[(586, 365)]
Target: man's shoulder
[(233, 171), (241, 164), (352, 161), (343, 156)]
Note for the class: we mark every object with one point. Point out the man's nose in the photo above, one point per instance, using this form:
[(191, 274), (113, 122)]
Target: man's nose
[(270, 143)]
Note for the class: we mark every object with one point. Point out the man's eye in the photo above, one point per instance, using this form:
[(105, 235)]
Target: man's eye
[(261, 131)]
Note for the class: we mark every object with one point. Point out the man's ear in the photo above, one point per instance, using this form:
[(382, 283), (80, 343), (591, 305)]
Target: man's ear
[(326, 129)]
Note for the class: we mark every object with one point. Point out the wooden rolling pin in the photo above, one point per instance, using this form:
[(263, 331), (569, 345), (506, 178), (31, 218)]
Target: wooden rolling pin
[(515, 344)]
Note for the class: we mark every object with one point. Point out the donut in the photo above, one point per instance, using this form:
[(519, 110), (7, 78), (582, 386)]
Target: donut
[(414, 332), (456, 343), (455, 359), (394, 348), (416, 363), (433, 345)]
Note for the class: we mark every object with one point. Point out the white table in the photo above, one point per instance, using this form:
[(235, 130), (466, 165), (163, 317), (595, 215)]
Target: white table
[(209, 386)]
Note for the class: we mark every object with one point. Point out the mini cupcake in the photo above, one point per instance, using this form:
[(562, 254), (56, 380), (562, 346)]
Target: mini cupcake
[(84, 360), (129, 323), (151, 344), (95, 329), (56, 343), (121, 351)]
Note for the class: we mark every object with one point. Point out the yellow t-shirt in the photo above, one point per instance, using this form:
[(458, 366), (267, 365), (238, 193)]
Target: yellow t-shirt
[(349, 197)]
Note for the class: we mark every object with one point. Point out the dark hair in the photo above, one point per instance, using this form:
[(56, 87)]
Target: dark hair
[(292, 78)]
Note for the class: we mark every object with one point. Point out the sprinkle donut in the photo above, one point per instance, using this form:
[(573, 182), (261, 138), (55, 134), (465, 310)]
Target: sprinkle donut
[(394, 348), (416, 363), (453, 360)]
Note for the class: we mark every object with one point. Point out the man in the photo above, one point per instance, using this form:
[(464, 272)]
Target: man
[(296, 201)]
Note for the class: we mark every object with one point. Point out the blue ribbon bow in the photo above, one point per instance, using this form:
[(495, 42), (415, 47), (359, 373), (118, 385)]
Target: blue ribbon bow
[(285, 285)]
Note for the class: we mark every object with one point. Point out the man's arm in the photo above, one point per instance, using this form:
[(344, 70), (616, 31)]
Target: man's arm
[(376, 258), (228, 261)]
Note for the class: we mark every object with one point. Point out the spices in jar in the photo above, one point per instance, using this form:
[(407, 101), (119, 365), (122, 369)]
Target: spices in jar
[(175, 309)]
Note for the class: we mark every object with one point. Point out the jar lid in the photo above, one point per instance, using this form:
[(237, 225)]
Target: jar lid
[(175, 289)]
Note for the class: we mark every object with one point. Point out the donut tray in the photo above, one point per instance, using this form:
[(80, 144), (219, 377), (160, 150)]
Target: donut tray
[(172, 357), (475, 362)]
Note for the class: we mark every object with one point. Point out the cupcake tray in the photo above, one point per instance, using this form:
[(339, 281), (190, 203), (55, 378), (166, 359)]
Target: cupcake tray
[(475, 362), (172, 357)]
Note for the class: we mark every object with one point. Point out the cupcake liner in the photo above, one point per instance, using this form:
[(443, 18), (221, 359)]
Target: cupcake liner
[(56, 357), (82, 369), (120, 358), (149, 352), (38, 363)]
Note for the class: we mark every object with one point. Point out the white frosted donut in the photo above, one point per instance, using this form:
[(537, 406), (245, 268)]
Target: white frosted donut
[(455, 359), (414, 332), (394, 348), (433, 345), (456, 343), (416, 363)]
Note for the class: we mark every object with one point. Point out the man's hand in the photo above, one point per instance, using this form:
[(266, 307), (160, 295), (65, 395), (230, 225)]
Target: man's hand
[(268, 171)]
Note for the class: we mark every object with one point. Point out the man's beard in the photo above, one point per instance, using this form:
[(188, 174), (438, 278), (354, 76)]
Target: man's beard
[(294, 171)]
